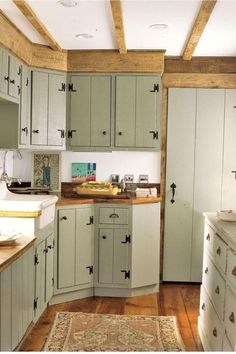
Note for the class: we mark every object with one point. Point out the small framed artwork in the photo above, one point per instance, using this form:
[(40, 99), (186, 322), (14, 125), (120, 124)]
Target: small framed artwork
[(46, 170), (128, 178), (115, 178), (83, 172), (143, 178)]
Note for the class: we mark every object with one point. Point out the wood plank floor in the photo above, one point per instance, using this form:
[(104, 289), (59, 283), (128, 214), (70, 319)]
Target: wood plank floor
[(180, 300)]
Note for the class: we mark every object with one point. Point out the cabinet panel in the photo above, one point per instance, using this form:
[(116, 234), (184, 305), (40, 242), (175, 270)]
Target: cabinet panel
[(27, 288), (180, 171), (66, 248), (80, 114), (5, 72), (56, 109), (118, 216), (125, 111), (231, 267), (84, 246), (49, 267), (100, 110), (17, 301), (105, 266), (230, 316), (40, 271), (220, 250), (39, 110), (24, 105), (121, 256), (5, 306), (14, 76)]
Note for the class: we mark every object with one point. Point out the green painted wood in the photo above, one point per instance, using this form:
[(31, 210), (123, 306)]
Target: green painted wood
[(80, 111), (105, 256), (5, 71), (109, 215), (40, 278), (148, 111), (12, 76), (1, 69), (39, 109), (24, 106), (125, 111), (123, 216), (66, 248), (5, 310), (100, 111), (16, 303), (56, 109), (49, 268), (84, 246), (27, 288), (9, 125), (120, 256)]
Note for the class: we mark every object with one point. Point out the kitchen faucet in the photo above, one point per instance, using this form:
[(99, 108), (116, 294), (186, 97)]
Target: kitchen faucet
[(4, 176)]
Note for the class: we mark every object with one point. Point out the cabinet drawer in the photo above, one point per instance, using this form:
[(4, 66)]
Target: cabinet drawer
[(209, 234), (215, 285), (220, 251), (231, 267), (117, 216), (230, 316), (226, 345)]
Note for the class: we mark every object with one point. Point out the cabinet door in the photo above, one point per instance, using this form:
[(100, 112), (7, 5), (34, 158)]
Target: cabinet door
[(148, 111), (105, 256), (84, 246), (80, 110), (5, 72), (180, 171), (208, 167), (66, 248), (40, 278), (100, 110), (24, 105), (49, 267), (14, 77), (39, 109), (56, 109), (229, 159), (125, 111), (5, 308), (17, 301), (121, 271), (28, 282)]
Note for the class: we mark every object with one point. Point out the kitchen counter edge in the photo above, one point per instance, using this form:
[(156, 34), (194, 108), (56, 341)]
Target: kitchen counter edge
[(132, 201)]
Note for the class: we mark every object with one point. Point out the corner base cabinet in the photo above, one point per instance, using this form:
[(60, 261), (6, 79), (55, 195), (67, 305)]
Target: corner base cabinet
[(217, 318)]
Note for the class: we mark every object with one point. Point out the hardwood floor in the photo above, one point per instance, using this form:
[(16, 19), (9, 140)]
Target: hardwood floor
[(180, 300)]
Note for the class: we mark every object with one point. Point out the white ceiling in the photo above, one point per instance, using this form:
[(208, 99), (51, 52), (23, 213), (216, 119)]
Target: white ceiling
[(95, 17)]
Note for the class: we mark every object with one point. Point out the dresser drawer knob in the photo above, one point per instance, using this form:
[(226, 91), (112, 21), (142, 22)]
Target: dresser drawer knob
[(218, 251), (217, 290), (234, 271), (208, 237), (231, 317), (214, 332), (203, 306), (206, 270)]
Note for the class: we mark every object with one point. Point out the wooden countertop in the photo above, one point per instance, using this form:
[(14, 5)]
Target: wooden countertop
[(8, 254)]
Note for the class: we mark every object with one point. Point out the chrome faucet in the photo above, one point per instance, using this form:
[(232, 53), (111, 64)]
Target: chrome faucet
[(4, 176)]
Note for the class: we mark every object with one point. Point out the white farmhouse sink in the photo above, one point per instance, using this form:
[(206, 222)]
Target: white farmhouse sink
[(19, 202)]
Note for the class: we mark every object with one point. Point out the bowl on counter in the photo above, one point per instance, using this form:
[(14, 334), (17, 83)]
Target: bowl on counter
[(227, 215)]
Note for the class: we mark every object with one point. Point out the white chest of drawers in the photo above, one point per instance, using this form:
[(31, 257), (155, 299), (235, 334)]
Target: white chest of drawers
[(217, 319)]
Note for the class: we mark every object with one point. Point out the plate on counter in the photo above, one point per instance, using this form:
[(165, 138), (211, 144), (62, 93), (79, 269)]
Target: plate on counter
[(8, 240), (227, 215)]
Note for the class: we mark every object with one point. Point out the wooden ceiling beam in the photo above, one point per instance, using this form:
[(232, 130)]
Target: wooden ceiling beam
[(203, 16), (36, 23), (118, 22)]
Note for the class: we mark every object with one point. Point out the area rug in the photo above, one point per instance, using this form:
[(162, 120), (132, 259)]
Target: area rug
[(75, 331)]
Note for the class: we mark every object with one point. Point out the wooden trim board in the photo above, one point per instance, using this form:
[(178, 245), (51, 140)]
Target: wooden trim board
[(199, 80), (118, 22)]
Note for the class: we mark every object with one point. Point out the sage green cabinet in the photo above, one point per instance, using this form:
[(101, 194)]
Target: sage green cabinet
[(138, 111), (24, 124), (90, 111), (10, 69), (48, 110)]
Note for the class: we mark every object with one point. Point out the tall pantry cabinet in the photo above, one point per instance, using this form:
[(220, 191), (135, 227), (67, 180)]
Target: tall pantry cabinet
[(197, 150)]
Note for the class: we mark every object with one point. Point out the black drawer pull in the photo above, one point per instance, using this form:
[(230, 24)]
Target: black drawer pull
[(206, 270), (35, 131), (63, 218), (214, 332), (104, 132), (218, 251), (120, 133), (203, 307), (208, 237), (234, 271), (231, 317), (114, 216), (104, 237), (6, 78), (25, 130), (12, 81), (217, 290)]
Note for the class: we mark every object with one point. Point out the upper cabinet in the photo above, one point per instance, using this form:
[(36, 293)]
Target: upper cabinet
[(48, 109), (89, 121), (137, 111), (24, 110)]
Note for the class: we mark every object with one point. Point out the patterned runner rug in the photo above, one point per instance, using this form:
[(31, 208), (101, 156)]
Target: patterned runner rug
[(75, 331)]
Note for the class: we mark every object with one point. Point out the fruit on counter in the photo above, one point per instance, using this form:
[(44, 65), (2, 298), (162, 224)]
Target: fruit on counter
[(97, 188)]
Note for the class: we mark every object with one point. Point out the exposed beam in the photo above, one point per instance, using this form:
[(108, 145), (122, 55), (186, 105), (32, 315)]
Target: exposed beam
[(203, 16), (36, 23), (119, 28)]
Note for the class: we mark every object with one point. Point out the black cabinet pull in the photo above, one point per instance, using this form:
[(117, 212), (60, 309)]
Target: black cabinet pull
[(155, 88), (206, 270), (12, 81), (35, 131), (62, 133), (217, 290), (45, 250), (114, 216), (70, 133), (120, 133), (214, 332), (234, 271), (203, 307), (104, 237), (104, 132), (25, 130), (6, 78), (154, 134), (50, 247), (90, 221), (19, 90), (173, 186), (208, 237), (63, 218), (231, 317), (218, 251)]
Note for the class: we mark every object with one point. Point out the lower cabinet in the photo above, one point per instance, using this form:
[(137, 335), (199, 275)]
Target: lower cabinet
[(16, 300)]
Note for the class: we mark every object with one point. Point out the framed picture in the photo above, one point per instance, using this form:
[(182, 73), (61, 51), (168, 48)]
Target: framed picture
[(143, 178), (83, 172), (46, 170)]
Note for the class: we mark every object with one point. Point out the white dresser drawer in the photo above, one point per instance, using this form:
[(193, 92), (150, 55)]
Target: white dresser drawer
[(215, 285), (113, 216), (226, 345), (209, 234), (220, 252), (230, 316), (231, 267)]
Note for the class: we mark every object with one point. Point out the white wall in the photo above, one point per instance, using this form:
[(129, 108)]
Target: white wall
[(116, 162), (9, 162)]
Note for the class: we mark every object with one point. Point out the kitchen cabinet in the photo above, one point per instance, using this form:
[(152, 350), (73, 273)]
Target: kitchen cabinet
[(90, 111), (48, 110), (10, 69), (195, 136), (24, 110), (138, 111)]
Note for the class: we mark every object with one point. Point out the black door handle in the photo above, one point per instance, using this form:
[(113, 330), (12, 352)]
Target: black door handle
[(173, 186)]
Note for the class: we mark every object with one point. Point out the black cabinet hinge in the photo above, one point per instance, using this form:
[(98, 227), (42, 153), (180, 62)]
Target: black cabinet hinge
[(154, 134), (35, 303), (52, 281), (71, 88), (90, 221), (155, 88), (62, 133), (36, 259), (127, 239), (19, 71), (19, 90), (63, 87), (90, 269), (70, 133), (127, 273)]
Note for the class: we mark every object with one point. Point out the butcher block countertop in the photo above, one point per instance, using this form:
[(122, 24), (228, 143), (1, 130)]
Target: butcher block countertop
[(8, 254)]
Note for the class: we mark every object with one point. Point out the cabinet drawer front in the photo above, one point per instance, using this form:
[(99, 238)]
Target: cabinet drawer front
[(231, 267), (220, 251), (214, 284), (209, 235), (113, 216), (230, 316)]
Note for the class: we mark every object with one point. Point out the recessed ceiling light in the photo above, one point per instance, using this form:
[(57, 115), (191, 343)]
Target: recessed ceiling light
[(159, 26), (84, 35), (67, 3)]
